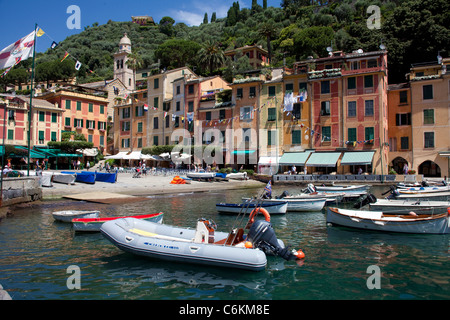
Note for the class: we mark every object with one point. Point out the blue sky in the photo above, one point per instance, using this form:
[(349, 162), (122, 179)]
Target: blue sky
[(18, 18)]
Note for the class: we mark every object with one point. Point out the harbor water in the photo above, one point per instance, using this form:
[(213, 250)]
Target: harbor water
[(37, 255)]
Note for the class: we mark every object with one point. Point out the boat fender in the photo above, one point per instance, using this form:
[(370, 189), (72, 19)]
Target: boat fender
[(299, 254), (255, 212), (448, 211), (412, 213), (248, 244)]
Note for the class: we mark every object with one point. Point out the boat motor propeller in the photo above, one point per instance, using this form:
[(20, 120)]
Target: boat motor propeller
[(262, 236)]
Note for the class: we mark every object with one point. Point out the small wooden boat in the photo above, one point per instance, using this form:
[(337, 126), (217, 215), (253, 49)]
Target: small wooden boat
[(378, 221), (420, 190), (202, 245), (84, 176), (345, 189), (94, 224), (276, 207), (423, 206), (68, 215), (432, 196), (296, 204), (237, 176)]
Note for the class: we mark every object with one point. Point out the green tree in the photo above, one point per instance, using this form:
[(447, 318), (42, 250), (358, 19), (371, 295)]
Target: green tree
[(211, 55), (205, 18), (176, 53), (134, 62), (313, 41), (268, 30), (166, 26)]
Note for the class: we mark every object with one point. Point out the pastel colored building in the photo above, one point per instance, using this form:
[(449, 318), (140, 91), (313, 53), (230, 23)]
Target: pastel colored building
[(258, 57)]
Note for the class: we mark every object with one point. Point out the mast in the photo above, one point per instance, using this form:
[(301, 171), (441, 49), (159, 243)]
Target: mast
[(31, 100)]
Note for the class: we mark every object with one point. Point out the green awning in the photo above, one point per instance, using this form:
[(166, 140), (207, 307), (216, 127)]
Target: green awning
[(357, 158), (33, 154), (243, 151), (69, 155), (297, 158), (323, 159)]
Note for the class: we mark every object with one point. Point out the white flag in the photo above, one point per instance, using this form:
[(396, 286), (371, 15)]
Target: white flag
[(78, 65), (20, 50)]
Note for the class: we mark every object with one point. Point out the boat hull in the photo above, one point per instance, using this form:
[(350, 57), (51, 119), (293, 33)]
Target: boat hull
[(346, 189), (64, 178), (84, 177), (201, 175), (237, 176), (106, 177), (94, 224), (273, 208), (434, 196), (68, 215), (437, 224), (402, 206), (298, 205), (175, 244)]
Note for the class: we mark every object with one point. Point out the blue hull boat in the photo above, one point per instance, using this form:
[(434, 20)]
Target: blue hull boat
[(84, 176), (105, 177)]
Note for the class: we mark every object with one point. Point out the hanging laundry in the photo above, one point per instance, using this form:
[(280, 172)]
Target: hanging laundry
[(289, 102)]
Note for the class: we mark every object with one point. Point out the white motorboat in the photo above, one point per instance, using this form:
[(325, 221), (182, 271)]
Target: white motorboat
[(295, 204), (237, 176), (345, 189), (404, 206), (379, 221), (201, 175), (277, 207)]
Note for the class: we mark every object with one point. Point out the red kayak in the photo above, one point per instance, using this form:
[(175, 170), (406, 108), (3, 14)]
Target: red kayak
[(94, 224)]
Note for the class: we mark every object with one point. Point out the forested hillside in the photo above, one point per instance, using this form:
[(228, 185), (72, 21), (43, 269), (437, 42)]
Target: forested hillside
[(412, 31)]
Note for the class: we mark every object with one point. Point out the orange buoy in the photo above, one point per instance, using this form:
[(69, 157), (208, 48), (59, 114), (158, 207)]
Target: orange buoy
[(300, 254), (248, 244)]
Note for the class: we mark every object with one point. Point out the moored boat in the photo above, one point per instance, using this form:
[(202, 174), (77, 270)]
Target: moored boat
[(94, 224), (201, 175), (405, 206), (237, 176), (84, 176), (276, 207), (68, 215), (345, 189), (105, 176), (66, 178), (203, 245), (296, 204), (379, 221)]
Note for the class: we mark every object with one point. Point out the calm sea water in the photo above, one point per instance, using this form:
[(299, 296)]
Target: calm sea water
[(35, 252)]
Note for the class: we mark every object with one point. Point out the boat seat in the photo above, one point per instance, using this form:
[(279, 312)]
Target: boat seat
[(235, 236)]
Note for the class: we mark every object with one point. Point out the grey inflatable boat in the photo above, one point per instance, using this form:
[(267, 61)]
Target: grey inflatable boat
[(202, 245)]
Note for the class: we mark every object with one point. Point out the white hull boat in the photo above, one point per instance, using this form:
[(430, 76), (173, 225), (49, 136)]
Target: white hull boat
[(65, 178), (277, 207), (406, 206), (68, 215), (378, 221), (299, 204), (345, 189), (202, 245), (201, 175), (433, 196), (237, 176), (422, 190)]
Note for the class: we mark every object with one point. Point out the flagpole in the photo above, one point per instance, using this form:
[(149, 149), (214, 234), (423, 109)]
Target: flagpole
[(31, 100)]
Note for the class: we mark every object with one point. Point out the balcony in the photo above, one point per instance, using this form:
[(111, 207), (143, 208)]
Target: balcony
[(363, 71), (325, 73)]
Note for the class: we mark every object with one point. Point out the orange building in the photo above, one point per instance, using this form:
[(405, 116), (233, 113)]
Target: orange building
[(258, 57)]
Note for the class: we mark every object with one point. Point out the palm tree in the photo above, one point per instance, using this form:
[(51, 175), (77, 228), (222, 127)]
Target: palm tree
[(134, 62), (268, 30), (211, 55)]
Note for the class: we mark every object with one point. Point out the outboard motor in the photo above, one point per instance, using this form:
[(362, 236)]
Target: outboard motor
[(425, 184), (283, 195), (262, 236), (311, 188), (366, 199)]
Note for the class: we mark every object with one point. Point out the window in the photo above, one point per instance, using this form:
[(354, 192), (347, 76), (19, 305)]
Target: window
[(178, 89), (102, 109), (369, 133), (155, 123), (155, 140), (156, 102), (90, 138), (428, 116), (404, 143), (325, 87), (326, 134), (68, 102), (351, 134), (102, 140), (239, 93), (11, 134), (368, 108), (222, 114), (53, 136), (78, 123), (297, 110), (354, 65), (427, 92), (139, 127), (167, 121), (41, 116), (429, 139), (67, 122), (368, 81), (351, 109), (272, 91), (191, 106), (246, 113), (351, 83), (246, 134), (191, 89), (78, 105), (54, 117), (125, 143), (325, 108), (177, 122), (139, 141), (296, 136), (403, 119), (289, 87), (271, 137), (11, 115), (178, 107), (271, 114), (91, 107), (90, 124), (403, 96), (41, 137), (372, 63), (302, 86), (126, 126), (252, 92), (156, 83), (101, 125), (125, 113), (208, 115), (139, 111)]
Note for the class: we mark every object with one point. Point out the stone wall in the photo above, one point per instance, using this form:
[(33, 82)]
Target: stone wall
[(19, 190)]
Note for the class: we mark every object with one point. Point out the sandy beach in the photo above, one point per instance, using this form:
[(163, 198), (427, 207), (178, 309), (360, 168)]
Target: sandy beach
[(144, 186)]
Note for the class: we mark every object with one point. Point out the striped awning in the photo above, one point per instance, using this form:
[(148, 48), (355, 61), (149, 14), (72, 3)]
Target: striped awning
[(323, 159)]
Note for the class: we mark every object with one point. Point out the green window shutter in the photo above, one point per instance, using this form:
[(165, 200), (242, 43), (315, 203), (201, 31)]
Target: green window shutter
[(296, 137), (78, 105), (67, 122), (41, 116), (68, 103), (41, 135), (53, 137), (351, 134), (102, 109), (10, 134), (369, 133), (54, 117), (91, 107), (271, 114)]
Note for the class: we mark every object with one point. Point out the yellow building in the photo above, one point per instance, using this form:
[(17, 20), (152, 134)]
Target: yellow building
[(430, 85)]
